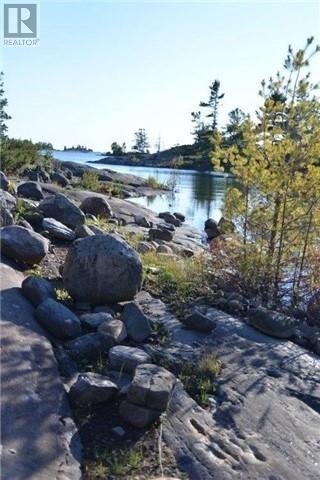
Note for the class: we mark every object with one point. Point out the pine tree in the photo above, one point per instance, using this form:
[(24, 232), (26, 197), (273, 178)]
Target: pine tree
[(3, 115)]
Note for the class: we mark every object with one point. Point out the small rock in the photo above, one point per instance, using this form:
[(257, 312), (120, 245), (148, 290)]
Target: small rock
[(136, 322), (37, 290), (6, 218), (198, 321), (271, 323), (142, 221), (170, 218), (139, 417), (7, 200), (57, 229), (211, 228), (160, 234), (180, 216), (94, 320), (119, 431), (31, 190), (60, 179), (114, 329), (58, 319), (83, 231), (127, 358), (151, 387), (4, 182), (145, 247), (23, 245), (97, 206), (62, 209), (165, 249), (92, 388), (89, 346)]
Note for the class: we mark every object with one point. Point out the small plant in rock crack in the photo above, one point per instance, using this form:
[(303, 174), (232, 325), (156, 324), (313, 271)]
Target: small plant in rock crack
[(34, 272), (63, 296), (199, 380)]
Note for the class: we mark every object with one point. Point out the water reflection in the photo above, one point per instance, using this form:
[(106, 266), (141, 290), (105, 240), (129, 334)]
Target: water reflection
[(198, 195)]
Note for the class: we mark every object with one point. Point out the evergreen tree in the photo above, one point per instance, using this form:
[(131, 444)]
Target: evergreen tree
[(141, 141), (277, 207), (3, 115), (213, 103)]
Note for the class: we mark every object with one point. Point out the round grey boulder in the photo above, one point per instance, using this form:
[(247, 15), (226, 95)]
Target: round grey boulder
[(97, 206), (62, 209), (102, 269), (37, 290), (58, 319), (30, 190), (23, 245)]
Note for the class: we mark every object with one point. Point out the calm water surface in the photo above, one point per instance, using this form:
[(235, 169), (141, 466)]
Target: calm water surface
[(198, 195)]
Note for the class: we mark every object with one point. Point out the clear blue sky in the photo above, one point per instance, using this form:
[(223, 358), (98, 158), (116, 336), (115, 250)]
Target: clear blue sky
[(104, 69)]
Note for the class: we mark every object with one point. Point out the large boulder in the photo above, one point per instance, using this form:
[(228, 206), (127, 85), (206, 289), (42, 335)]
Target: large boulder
[(62, 209), (31, 190), (91, 388), (23, 245), (136, 322), (271, 323), (313, 309), (58, 319), (57, 229), (97, 206), (37, 290), (126, 358), (102, 269), (4, 182)]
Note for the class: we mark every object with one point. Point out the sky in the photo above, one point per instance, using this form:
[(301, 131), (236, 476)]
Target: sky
[(104, 69)]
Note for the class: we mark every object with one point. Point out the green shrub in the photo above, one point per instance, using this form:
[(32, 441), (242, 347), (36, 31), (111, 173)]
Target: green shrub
[(17, 154), (90, 181), (179, 280)]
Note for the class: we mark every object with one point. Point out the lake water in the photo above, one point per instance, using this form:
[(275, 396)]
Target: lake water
[(198, 195)]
